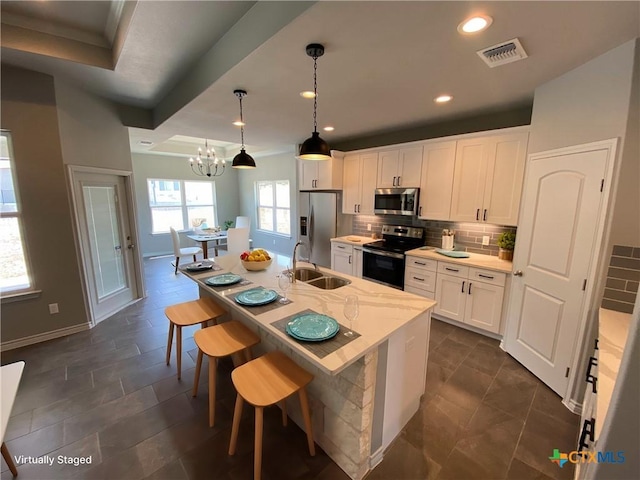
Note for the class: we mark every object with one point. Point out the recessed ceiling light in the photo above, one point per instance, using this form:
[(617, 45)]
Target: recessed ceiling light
[(475, 24), (328, 129), (238, 123), (443, 99), (307, 94)]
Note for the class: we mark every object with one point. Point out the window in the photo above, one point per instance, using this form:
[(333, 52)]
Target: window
[(181, 204), (274, 206), (13, 264)]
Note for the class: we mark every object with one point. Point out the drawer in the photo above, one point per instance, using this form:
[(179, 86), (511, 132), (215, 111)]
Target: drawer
[(453, 269), (420, 291), (342, 247), (487, 276), (420, 278), (423, 263)]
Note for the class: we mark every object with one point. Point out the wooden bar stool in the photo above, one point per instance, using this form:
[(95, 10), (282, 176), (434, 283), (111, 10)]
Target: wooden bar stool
[(265, 381), (186, 314), (222, 340)]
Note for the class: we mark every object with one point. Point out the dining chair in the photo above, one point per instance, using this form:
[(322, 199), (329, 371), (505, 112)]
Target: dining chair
[(237, 240), (243, 222), (179, 252)]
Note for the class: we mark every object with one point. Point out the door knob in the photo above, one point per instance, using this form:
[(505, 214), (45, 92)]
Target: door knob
[(131, 247), (517, 273)]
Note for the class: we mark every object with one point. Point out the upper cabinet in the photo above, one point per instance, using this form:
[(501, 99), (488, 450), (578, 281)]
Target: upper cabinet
[(487, 181), (399, 168), (321, 175), (436, 183), (360, 172)]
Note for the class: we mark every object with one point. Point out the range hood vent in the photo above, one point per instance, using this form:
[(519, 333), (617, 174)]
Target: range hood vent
[(502, 53)]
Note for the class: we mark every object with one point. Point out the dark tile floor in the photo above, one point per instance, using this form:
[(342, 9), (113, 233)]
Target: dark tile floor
[(107, 393)]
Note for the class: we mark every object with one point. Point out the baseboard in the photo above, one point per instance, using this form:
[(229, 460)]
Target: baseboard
[(573, 406), (471, 328), (42, 337), (375, 458)]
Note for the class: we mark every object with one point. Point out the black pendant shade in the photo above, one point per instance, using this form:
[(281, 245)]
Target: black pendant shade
[(314, 147), (243, 160)]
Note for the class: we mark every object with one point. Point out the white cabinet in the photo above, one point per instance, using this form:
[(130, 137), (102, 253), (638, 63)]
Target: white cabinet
[(359, 183), (320, 175), (399, 168), (420, 276), (346, 258), (357, 262), (342, 257), (470, 295), (488, 179), (436, 183)]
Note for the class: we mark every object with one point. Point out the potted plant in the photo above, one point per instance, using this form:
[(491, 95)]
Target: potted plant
[(506, 242), (228, 224)]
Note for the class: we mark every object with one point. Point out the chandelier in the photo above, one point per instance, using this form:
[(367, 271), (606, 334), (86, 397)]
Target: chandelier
[(207, 164)]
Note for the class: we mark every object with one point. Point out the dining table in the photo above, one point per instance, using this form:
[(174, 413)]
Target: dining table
[(205, 238)]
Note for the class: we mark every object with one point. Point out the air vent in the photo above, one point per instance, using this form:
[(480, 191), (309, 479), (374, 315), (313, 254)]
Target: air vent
[(145, 143), (506, 52)]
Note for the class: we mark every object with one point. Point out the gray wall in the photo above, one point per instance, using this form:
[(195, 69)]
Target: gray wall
[(166, 166), (44, 130), (274, 167)]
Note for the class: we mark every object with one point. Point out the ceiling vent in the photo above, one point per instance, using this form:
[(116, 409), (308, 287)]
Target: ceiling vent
[(506, 52)]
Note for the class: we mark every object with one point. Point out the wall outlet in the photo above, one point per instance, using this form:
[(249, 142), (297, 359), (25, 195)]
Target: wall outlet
[(274, 242), (53, 308), (486, 239), (368, 227)]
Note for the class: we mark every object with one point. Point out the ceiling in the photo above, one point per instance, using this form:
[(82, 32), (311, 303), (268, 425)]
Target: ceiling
[(179, 62)]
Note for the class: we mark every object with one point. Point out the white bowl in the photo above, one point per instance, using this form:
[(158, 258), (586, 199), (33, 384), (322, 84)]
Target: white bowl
[(255, 266)]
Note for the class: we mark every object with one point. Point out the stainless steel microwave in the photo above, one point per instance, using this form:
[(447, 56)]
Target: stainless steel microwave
[(396, 201)]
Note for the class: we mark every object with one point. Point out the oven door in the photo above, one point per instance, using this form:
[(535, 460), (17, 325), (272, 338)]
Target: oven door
[(386, 268)]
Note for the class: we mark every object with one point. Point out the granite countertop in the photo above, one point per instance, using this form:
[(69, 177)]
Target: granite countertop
[(383, 310), (475, 260), (354, 239), (613, 330)]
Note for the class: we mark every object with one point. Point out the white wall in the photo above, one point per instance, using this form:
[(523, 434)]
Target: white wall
[(275, 167), (166, 166), (91, 133)]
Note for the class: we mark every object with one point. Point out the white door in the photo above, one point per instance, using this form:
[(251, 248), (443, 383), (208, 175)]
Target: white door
[(484, 306), (410, 167), (388, 169), (341, 262), (436, 186), (451, 297), (351, 183), (561, 209), (369, 168), (106, 239), (469, 177)]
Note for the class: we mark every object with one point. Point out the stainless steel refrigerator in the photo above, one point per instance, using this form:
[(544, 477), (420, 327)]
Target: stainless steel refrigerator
[(321, 219)]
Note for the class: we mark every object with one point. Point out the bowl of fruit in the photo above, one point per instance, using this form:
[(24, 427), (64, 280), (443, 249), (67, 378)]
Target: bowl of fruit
[(257, 259)]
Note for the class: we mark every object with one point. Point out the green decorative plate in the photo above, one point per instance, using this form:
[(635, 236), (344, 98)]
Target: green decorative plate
[(256, 297), (224, 279), (312, 327)]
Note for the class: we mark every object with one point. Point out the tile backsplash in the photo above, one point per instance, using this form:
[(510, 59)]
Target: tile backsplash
[(468, 236), (623, 278)]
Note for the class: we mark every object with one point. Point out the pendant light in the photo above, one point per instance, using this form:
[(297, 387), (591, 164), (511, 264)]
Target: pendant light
[(314, 147), (243, 159)]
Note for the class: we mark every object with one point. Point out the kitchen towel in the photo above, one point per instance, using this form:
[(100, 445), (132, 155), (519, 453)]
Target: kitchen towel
[(319, 349)]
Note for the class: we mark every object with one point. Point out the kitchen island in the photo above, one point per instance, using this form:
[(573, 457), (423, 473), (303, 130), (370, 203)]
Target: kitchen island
[(363, 393)]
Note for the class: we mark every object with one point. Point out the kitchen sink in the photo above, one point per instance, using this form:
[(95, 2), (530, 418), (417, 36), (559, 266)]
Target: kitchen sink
[(306, 274), (329, 283)]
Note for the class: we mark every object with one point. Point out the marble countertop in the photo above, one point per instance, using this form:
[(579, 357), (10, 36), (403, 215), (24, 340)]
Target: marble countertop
[(475, 260), (613, 329), (354, 239), (383, 310)]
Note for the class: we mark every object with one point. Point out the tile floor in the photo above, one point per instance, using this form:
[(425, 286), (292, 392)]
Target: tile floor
[(107, 393)]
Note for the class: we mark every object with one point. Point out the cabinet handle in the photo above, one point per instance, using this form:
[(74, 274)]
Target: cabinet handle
[(355, 208), (420, 263), (470, 287), (485, 276), (349, 259), (451, 269), (399, 181), (419, 279), (358, 208), (394, 181), (420, 211), (340, 246), (484, 215), (463, 286), (477, 214)]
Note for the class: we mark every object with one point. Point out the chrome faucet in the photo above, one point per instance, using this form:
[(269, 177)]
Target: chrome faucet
[(293, 273)]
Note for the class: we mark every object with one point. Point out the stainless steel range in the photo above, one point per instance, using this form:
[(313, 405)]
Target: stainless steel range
[(383, 261)]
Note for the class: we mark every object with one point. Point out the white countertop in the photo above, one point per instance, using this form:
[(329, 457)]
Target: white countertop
[(475, 260), (613, 329), (9, 379), (354, 239), (383, 310)]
